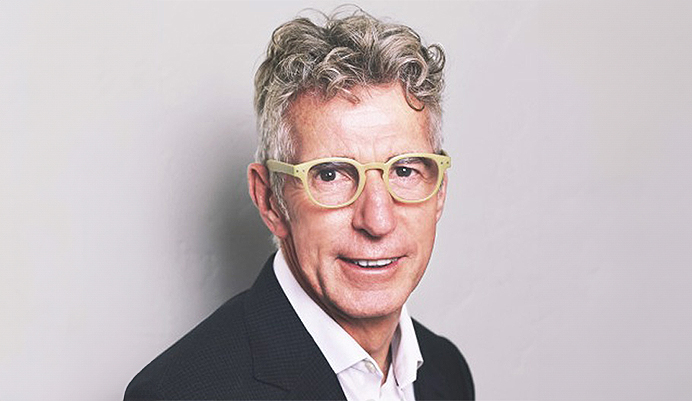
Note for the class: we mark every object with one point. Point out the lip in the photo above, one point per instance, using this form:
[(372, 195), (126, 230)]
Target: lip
[(371, 275), (371, 263)]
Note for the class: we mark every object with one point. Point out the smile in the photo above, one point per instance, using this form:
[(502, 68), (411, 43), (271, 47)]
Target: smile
[(376, 263)]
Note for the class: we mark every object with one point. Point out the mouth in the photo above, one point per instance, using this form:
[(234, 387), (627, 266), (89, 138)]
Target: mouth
[(371, 263)]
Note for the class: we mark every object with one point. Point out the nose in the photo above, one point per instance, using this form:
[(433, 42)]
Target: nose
[(374, 209)]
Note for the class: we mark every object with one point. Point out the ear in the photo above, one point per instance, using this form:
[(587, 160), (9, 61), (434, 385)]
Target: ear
[(263, 197), (441, 197)]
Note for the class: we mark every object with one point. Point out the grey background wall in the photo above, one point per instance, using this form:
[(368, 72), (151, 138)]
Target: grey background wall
[(562, 267)]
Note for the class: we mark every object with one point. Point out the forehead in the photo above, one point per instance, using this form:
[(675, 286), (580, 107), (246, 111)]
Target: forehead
[(379, 125)]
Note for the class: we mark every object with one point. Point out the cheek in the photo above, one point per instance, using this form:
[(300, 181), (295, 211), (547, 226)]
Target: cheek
[(421, 223), (308, 219), (318, 233)]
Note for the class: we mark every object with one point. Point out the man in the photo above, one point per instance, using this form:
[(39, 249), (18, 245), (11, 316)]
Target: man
[(350, 178)]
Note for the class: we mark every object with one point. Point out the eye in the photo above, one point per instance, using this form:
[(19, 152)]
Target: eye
[(327, 174), (331, 174), (402, 171)]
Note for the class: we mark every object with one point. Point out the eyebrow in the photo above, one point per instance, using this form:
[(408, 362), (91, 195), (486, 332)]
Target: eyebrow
[(390, 157)]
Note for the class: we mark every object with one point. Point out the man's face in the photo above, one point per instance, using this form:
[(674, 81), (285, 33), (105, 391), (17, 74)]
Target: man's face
[(322, 244)]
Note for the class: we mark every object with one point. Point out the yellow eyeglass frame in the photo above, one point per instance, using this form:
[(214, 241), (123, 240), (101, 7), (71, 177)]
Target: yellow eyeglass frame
[(300, 171)]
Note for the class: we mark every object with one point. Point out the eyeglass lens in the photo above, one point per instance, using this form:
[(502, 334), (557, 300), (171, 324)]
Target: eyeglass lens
[(335, 183)]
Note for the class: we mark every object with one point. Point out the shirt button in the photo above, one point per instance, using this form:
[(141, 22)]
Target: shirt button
[(371, 368)]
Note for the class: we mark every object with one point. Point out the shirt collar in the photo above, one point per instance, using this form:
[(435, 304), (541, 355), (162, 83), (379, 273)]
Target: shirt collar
[(338, 347), (406, 355)]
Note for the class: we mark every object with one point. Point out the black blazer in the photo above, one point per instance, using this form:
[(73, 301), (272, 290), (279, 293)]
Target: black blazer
[(255, 347)]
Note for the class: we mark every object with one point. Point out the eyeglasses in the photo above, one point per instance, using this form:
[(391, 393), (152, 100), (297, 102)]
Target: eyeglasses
[(335, 182)]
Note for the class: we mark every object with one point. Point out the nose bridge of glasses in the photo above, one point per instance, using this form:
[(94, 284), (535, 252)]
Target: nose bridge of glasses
[(381, 182), (374, 166)]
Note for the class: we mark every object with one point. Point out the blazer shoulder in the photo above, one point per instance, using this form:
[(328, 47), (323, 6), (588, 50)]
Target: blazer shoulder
[(215, 352), (443, 361)]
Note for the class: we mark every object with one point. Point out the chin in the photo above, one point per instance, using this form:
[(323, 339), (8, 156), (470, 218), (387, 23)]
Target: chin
[(370, 306)]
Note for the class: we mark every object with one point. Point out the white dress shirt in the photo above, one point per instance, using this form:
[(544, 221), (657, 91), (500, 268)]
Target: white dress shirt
[(358, 373)]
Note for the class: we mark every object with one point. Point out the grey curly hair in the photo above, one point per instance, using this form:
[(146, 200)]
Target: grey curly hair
[(355, 50)]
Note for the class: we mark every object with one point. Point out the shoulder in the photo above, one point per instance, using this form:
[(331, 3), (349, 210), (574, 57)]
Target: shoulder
[(215, 350), (444, 362)]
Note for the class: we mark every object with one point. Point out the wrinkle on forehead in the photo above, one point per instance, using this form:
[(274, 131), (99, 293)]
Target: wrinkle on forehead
[(348, 128)]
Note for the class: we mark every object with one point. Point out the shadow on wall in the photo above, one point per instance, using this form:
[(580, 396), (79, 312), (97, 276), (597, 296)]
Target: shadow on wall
[(239, 241)]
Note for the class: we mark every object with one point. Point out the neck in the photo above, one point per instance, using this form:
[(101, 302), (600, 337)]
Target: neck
[(374, 335)]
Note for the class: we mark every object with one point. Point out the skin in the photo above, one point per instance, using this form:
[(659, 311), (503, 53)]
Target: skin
[(319, 244)]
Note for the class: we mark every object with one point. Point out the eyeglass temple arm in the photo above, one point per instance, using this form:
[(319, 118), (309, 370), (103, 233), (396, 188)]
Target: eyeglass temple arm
[(280, 167)]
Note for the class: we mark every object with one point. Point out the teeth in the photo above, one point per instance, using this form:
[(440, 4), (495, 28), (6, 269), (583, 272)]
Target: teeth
[(373, 263)]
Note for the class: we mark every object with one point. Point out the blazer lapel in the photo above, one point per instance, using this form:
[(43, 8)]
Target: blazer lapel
[(428, 385), (430, 382), (283, 352), (317, 382)]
